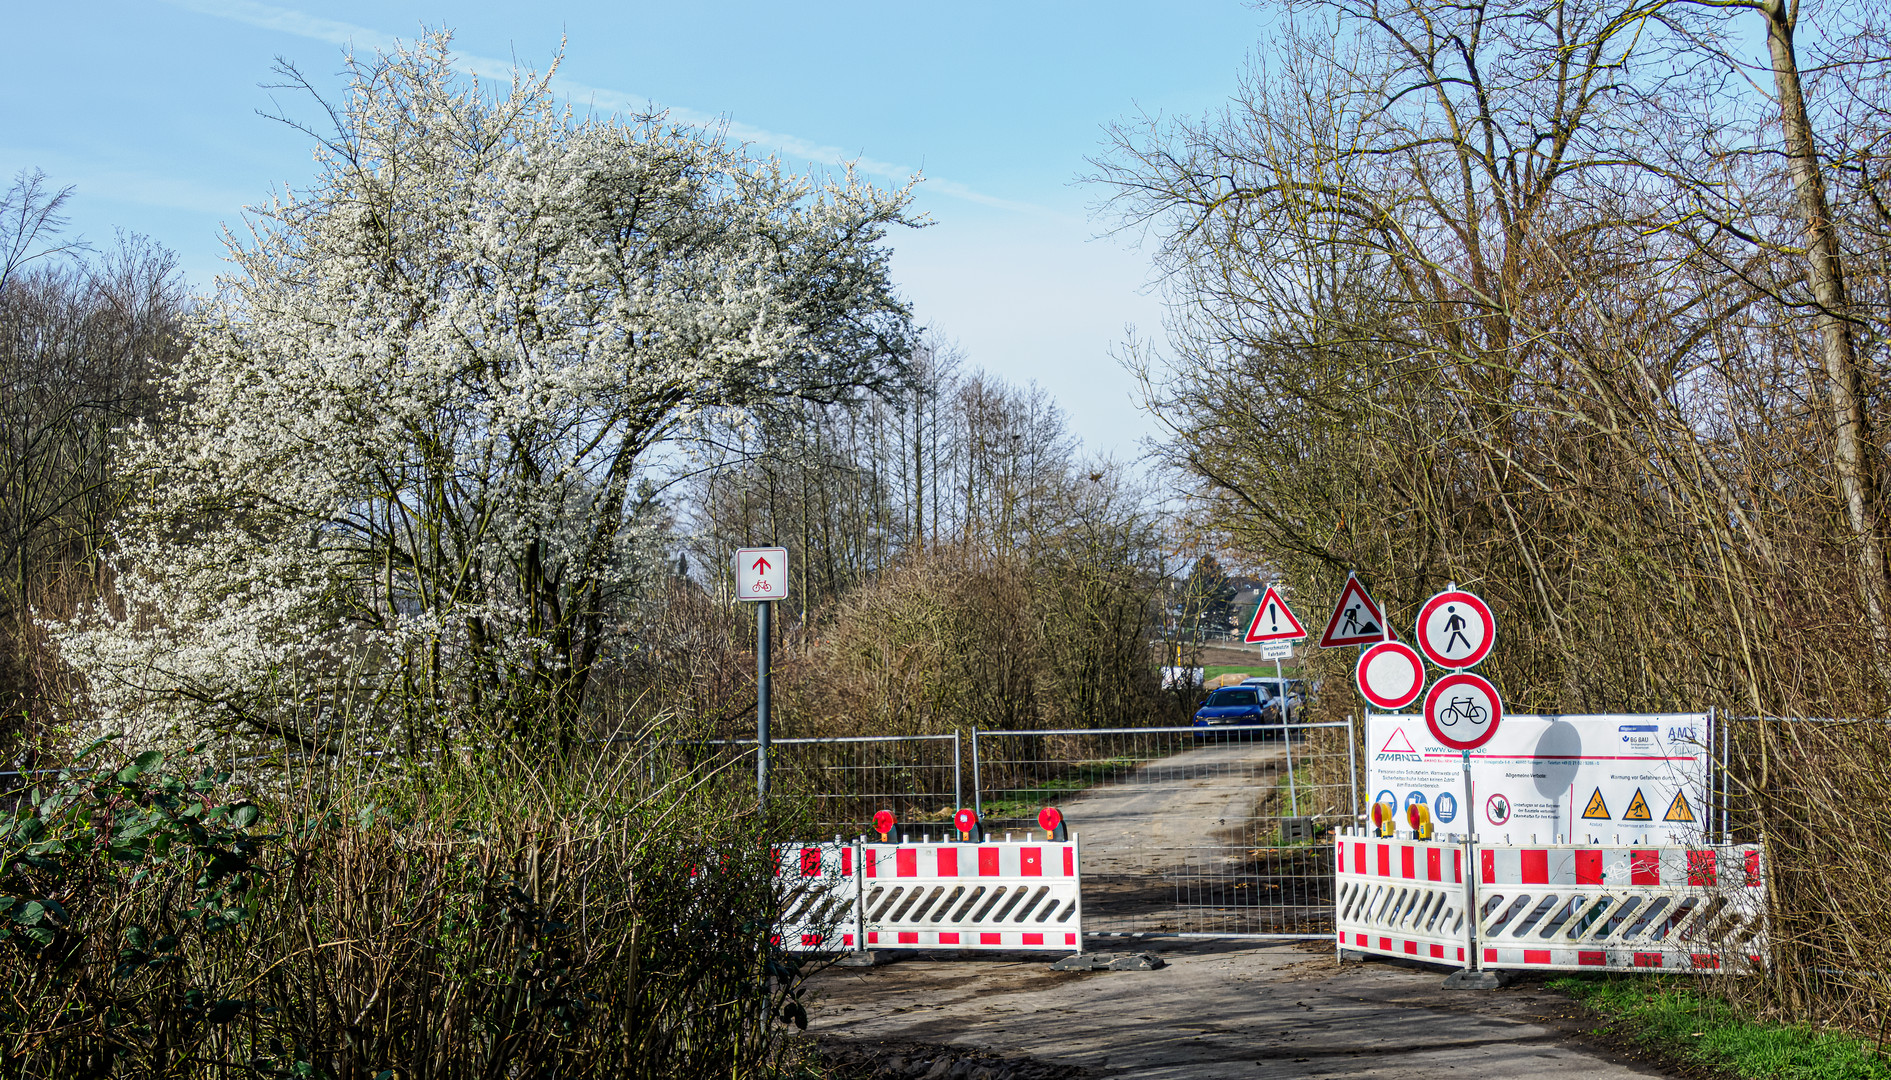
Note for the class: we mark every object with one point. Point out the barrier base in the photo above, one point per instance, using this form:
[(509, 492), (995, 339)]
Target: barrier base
[(1479, 980), (1103, 961), (873, 957)]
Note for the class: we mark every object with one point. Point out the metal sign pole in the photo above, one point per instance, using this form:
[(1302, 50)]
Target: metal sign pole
[(1286, 740), (762, 678), (1470, 872)]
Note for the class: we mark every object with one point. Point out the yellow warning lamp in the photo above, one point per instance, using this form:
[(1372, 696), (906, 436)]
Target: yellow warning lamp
[(1385, 819), (1420, 816)]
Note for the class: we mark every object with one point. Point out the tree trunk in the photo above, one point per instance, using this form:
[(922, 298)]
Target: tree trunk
[(1854, 457)]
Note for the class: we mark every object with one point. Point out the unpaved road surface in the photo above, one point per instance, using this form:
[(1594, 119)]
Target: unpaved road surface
[(1222, 1009), (1199, 798)]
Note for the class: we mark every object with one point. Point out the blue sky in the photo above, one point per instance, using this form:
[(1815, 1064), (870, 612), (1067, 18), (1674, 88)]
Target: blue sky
[(149, 108)]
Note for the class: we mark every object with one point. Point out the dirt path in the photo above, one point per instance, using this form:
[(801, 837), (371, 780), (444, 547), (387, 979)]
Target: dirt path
[(1196, 799), (1222, 1010)]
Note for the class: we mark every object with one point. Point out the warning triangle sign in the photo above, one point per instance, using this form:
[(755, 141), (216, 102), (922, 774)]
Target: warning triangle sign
[(1679, 810), (1356, 619), (1637, 809), (1398, 744), (1597, 810), (1273, 621)]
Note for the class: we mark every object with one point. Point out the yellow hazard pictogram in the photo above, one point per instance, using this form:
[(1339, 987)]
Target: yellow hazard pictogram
[(1637, 809), (1597, 810), (1679, 810)]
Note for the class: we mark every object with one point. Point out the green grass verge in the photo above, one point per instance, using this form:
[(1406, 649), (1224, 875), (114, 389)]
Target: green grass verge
[(1676, 1018), (1259, 669), (1026, 802)]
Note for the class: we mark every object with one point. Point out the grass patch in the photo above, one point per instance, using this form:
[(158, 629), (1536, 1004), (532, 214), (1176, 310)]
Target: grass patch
[(1678, 1019), (1026, 802), (1260, 669)]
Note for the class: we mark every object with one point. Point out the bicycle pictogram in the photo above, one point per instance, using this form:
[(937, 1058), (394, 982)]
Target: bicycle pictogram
[(1464, 708)]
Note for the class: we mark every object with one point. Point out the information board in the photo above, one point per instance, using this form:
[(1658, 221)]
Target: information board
[(1559, 779)]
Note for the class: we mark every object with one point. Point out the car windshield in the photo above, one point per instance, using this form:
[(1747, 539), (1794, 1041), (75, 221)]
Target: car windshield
[(1224, 698)]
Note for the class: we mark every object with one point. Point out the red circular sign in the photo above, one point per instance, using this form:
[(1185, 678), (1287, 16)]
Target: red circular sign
[(1463, 710), (1456, 629), (1049, 818), (965, 819), (884, 821), (1390, 675)]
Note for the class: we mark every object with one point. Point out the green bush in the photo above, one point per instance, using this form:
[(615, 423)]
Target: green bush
[(157, 923)]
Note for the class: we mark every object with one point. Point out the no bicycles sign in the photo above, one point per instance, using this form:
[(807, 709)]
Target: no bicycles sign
[(1463, 710)]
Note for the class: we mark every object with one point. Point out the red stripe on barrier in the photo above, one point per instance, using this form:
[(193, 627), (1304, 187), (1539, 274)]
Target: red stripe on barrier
[(1361, 942), (909, 937), (1592, 959), (1412, 947), (1490, 956), (810, 939), (1070, 939), (1070, 861), (1536, 866), (1588, 868), (948, 938), (1705, 960), (1490, 868), (1385, 943), (1460, 954), (1031, 862), (1434, 864), (988, 862), (847, 860), (871, 867), (1407, 868), (1457, 867), (1647, 959), (810, 862), (1385, 861), (1644, 868), (1701, 868), (846, 939), (906, 862), (1339, 856), (1438, 951), (1536, 956), (991, 939), (873, 937), (1753, 868), (1034, 939), (948, 861), (1359, 858)]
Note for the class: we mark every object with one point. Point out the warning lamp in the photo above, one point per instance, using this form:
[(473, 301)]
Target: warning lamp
[(883, 823), (1420, 816), (966, 821), (1051, 820), (1385, 819)]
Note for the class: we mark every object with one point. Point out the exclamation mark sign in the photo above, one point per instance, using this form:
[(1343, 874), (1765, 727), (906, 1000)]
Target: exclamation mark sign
[(1273, 618)]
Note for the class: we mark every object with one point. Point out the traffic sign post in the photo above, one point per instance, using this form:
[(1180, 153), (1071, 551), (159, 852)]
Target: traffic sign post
[(761, 578), (1276, 628)]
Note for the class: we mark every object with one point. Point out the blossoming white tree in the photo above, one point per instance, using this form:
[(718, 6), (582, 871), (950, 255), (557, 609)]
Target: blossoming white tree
[(403, 474)]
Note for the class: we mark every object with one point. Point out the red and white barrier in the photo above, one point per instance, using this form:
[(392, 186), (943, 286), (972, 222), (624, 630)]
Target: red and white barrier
[(852, 895), (1401, 898), (1009, 895), (1553, 906)]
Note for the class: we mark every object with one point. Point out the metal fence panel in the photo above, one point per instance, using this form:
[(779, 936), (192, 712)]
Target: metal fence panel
[(1183, 831), (847, 780)]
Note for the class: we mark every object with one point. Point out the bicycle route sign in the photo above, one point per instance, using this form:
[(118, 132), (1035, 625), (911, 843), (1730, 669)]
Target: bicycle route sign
[(761, 573), (1456, 629), (1463, 710)]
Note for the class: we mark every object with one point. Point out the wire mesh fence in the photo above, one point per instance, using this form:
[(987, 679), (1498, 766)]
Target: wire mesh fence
[(1184, 831), (846, 780)]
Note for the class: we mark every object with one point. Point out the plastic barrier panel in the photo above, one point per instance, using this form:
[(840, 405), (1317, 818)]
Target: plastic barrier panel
[(819, 896), (1010, 895), (1569, 906), (1401, 897), (1656, 908)]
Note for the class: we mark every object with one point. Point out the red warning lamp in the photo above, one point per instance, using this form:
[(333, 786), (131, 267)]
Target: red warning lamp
[(1420, 817), (966, 821), (1051, 820), (883, 823)]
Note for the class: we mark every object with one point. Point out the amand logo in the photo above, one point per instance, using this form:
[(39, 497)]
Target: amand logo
[(1397, 748)]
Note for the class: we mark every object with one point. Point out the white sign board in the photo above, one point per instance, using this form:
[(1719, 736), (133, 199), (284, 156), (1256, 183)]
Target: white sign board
[(1276, 650), (1456, 629), (1556, 778), (761, 573)]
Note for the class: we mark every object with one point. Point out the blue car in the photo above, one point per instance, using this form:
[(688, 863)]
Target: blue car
[(1251, 705)]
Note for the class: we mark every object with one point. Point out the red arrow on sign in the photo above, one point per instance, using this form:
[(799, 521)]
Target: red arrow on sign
[(761, 564)]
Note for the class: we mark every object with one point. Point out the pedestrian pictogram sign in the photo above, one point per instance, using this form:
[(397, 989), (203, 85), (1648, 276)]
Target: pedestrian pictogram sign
[(1463, 710), (1390, 675), (1456, 629), (1356, 619), (1679, 810), (1273, 621), (1597, 810), (761, 573), (1637, 809)]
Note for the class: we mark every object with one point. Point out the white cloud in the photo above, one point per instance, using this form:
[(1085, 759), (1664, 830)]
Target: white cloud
[(301, 24)]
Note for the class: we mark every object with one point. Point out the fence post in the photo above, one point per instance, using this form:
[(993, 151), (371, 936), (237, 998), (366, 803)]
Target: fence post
[(958, 791), (1353, 779), (978, 805)]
